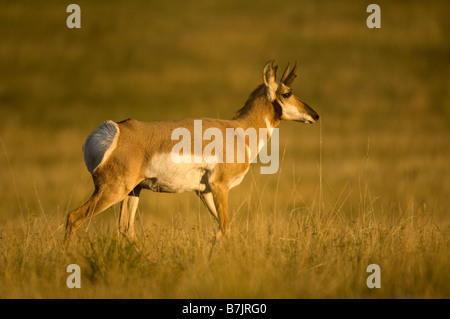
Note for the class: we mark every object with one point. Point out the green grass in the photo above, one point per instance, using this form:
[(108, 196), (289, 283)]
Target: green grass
[(368, 183)]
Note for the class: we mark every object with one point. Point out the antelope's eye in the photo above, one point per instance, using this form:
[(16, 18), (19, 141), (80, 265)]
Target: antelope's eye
[(287, 95)]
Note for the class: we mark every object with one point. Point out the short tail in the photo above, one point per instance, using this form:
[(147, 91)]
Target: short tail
[(100, 144)]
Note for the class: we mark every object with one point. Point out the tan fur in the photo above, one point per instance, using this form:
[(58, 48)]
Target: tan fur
[(128, 169)]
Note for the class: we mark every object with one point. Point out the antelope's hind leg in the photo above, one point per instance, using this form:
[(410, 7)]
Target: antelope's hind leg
[(101, 199), (128, 212)]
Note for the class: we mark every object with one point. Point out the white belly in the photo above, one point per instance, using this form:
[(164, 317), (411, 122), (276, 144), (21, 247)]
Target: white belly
[(163, 175)]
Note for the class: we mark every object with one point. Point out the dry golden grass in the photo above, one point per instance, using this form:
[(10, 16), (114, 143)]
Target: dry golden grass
[(368, 184), (288, 253)]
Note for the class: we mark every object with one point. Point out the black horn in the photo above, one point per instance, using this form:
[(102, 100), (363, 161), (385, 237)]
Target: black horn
[(289, 75)]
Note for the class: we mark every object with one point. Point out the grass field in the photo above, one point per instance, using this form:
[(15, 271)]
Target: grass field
[(368, 184)]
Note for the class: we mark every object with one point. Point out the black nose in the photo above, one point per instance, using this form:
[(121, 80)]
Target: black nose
[(311, 112), (316, 116)]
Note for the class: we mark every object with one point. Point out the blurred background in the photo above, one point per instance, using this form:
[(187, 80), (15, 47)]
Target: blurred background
[(382, 94)]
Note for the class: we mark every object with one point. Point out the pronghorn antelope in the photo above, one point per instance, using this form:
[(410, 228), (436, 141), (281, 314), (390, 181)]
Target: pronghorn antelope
[(129, 156)]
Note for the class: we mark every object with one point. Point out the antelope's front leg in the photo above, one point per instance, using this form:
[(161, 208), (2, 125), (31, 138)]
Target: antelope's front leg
[(220, 195)]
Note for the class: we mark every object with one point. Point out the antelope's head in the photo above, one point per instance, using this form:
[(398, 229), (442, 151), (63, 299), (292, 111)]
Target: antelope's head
[(280, 94)]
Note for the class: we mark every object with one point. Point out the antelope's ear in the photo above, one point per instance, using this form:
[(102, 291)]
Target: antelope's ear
[(269, 75)]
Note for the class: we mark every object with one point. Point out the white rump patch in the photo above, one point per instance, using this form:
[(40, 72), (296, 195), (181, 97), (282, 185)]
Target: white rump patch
[(100, 144)]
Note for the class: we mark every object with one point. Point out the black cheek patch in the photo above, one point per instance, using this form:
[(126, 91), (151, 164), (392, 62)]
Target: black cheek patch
[(277, 108)]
